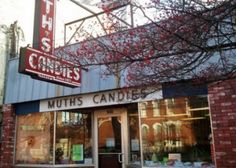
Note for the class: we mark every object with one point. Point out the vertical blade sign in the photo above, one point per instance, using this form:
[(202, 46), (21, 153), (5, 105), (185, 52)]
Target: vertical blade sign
[(44, 20)]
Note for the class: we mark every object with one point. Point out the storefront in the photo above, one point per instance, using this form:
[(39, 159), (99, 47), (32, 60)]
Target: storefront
[(117, 128)]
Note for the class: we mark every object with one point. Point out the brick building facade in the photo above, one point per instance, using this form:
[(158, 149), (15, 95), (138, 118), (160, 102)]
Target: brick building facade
[(8, 135), (222, 99)]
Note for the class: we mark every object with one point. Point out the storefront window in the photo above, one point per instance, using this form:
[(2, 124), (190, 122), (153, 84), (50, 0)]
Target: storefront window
[(34, 144), (175, 132), (73, 138), (134, 140), (35, 138)]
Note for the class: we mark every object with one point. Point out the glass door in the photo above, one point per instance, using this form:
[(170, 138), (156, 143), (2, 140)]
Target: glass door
[(110, 141)]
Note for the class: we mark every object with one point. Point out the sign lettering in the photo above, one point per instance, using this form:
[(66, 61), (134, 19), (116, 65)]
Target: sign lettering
[(100, 99), (49, 68), (45, 36)]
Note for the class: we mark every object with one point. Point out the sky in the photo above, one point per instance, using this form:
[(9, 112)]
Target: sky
[(20, 10), (23, 12)]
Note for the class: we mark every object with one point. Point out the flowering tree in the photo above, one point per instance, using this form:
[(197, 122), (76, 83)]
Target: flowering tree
[(180, 40)]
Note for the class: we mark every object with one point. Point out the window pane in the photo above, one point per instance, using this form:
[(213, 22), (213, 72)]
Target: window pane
[(35, 138), (134, 140), (178, 134), (73, 138)]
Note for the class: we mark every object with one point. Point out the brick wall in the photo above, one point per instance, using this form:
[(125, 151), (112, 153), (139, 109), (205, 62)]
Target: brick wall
[(7, 147), (222, 99)]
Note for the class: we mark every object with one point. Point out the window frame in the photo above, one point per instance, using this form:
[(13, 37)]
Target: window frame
[(54, 145)]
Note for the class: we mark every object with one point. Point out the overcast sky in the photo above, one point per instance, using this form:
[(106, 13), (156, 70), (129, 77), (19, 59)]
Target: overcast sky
[(23, 12), (20, 10)]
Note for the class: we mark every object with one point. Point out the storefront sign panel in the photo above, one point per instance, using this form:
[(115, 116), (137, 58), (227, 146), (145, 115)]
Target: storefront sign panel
[(48, 67), (100, 99)]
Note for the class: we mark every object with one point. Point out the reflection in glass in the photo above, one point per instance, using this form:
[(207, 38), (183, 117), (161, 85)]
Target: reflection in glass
[(109, 135), (177, 131), (134, 140), (109, 142), (34, 142), (73, 138)]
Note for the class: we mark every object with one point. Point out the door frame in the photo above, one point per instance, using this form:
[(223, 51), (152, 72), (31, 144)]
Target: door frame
[(122, 112)]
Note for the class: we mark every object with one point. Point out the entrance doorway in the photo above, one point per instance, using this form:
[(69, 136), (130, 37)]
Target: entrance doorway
[(111, 141)]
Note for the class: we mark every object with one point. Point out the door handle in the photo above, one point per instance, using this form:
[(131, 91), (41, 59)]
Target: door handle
[(120, 157)]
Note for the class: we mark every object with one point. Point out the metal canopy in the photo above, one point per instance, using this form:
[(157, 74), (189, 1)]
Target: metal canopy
[(99, 23)]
